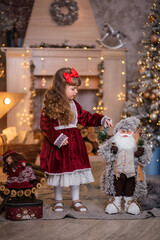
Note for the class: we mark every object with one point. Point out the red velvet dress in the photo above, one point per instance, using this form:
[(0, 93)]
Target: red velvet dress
[(67, 165)]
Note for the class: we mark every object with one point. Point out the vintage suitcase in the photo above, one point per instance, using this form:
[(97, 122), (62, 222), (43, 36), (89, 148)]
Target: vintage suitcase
[(24, 209)]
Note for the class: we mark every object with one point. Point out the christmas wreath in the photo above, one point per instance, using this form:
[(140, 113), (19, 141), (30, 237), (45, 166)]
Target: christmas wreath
[(61, 18)]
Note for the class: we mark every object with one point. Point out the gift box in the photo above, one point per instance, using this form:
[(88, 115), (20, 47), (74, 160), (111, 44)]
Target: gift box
[(24, 209)]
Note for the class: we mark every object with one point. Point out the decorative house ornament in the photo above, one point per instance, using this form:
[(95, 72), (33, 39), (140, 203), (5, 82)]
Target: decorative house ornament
[(59, 17), (116, 35)]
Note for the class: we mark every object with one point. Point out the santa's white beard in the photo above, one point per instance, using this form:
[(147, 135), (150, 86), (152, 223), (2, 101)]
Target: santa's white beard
[(121, 142)]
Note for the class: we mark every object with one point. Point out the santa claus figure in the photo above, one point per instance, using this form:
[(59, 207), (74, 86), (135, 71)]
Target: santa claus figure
[(124, 175), (20, 174)]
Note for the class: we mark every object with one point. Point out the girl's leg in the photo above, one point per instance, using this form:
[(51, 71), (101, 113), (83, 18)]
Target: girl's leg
[(75, 199), (58, 206)]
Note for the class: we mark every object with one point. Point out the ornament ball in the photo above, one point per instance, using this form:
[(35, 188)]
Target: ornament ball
[(152, 18), (155, 80), (158, 65), (139, 62), (139, 99), (153, 116), (152, 48), (154, 38), (152, 96), (148, 74), (147, 94), (142, 70)]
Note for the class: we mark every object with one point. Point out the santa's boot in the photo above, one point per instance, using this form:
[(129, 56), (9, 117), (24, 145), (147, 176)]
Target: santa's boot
[(131, 206), (114, 206)]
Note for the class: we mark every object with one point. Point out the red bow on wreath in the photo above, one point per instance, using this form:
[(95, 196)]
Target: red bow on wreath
[(68, 76)]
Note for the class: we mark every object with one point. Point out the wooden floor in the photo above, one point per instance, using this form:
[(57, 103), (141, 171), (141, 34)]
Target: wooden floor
[(80, 229), (70, 229)]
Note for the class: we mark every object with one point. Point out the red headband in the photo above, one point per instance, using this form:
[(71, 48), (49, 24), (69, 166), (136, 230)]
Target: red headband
[(68, 76)]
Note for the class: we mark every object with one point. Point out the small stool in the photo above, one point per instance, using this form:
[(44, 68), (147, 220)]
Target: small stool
[(24, 209)]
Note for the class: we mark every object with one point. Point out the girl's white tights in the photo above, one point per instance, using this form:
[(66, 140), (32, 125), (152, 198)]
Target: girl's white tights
[(58, 197), (75, 196)]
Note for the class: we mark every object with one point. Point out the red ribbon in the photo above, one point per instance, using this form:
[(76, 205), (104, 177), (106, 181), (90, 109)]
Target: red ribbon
[(68, 76)]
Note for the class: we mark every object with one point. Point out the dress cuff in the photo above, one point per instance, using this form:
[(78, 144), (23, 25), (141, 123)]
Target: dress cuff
[(60, 140), (103, 121)]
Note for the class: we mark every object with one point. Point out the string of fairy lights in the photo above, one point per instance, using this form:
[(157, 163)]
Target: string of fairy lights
[(24, 117), (100, 108), (122, 94)]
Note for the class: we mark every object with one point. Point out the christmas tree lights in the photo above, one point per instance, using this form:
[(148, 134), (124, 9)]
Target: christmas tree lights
[(144, 94)]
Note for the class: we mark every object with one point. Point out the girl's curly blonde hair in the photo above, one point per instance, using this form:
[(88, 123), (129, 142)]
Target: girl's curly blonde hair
[(56, 104)]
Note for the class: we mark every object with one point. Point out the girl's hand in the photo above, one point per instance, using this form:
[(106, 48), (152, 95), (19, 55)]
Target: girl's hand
[(109, 123), (65, 142)]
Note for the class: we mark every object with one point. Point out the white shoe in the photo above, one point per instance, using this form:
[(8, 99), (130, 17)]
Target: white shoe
[(131, 206), (114, 206)]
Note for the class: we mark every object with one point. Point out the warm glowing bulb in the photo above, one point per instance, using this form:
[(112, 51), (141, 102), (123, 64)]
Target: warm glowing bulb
[(7, 101)]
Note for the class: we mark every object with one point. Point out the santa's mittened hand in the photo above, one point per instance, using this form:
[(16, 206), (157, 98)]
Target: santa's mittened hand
[(139, 152), (114, 149)]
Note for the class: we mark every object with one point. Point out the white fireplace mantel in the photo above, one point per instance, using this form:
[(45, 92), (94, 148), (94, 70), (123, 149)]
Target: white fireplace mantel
[(48, 60)]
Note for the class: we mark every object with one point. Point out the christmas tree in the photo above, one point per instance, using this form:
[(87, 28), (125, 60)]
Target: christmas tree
[(144, 93)]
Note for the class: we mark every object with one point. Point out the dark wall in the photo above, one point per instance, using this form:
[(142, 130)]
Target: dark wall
[(129, 17)]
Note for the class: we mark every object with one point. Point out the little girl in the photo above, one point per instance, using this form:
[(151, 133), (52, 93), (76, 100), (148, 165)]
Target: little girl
[(64, 156)]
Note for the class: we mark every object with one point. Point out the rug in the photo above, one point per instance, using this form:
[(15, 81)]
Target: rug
[(91, 197), (96, 200)]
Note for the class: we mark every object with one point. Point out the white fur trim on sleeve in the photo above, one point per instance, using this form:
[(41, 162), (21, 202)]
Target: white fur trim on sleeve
[(103, 121), (60, 140)]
